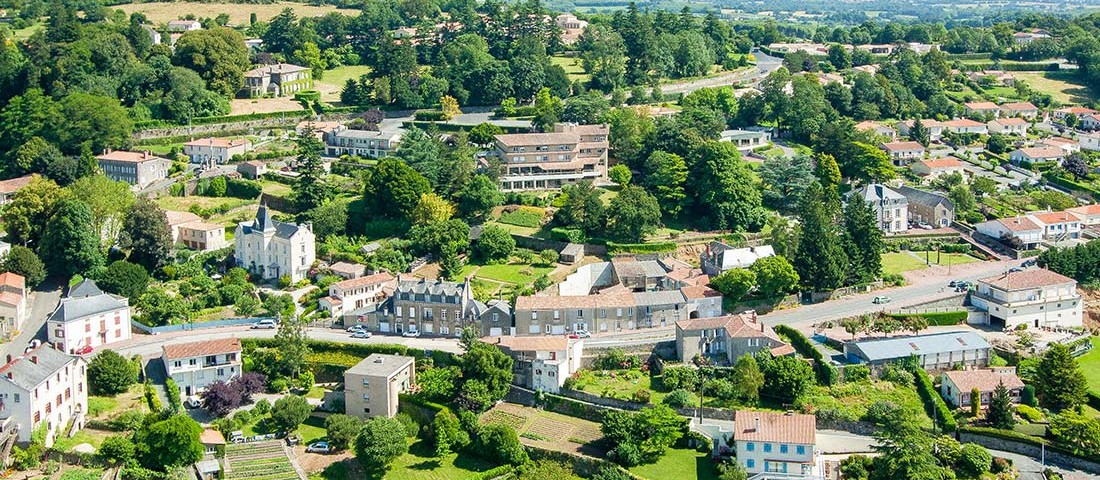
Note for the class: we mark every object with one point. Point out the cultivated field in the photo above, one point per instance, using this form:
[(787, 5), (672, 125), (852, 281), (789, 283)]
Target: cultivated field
[(548, 430), (1063, 87), (238, 13)]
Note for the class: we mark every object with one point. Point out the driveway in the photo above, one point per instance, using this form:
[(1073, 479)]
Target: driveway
[(40, 305)]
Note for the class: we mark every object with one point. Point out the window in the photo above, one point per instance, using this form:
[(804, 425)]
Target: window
[(221, 372), (548, 328), (366, 410), (17, 398), (801, 449), (193, 362), (783, 448), (366, 397), (750, 446), (178, 364), (750, 463), (767, 448), (366, 382)]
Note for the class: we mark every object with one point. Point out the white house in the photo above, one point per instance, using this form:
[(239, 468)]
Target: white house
[(87, 319), (1035, 298), (746, 140), (1037, 154), (44, 385), (215, 151), (13, 303), (1089, 214), (981, 108), (1019, 230), (1077, 111), (1066, 144), (1019, 109), (352, 294), (541, 363), (957, 386), (891, 208), (1008, 126), (196, 365), (965, 125), (719, 257), (1058, 226), (184, 25), (272, 249), (775, 442), (902, 153), (935, 128), (878, 129), (1089, 121), (1089, 141)]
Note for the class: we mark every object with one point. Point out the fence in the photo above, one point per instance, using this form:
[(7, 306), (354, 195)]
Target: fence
[(229, 322)]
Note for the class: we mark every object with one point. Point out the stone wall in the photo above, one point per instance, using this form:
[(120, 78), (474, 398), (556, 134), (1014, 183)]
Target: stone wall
[(1034, 451)]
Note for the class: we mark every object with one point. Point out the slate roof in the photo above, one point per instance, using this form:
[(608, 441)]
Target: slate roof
[(430, 287), (263, 223), (877, 191), (86, 299), (923, 197), (878, 350), (28, 374), (668, 297)]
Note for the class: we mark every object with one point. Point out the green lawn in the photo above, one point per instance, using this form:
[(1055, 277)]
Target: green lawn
[(514, 273), (1063, 87), (340, 75), (1090, 365), (622, 385), (181, 204), (572, 66), (275, 188), (680, 464), (419, 464), (311, 430), (897, 262)]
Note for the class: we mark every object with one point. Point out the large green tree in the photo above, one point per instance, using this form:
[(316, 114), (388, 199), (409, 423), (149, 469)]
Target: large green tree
[(821, 261), (309, 190), (582, 208), (1059, 382), (145, 232), (633, 214), (479, 197), (93, 122), (71, 244), (290, 411), (31, 207), (393, 189), (774, 275), (642, 436), (724, 189), (166, 444), (666, 176), (109, 201), (110, 373), (124, 278), (23, 261), (864, 242), (490, 365), (380, 441)]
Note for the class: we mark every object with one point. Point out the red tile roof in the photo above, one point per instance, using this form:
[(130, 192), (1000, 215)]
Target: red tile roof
[(981, 105), (736, 326), (381, 277), (555, 343), (129, 157), (1052, 218), (942, 163), (1026, 279), (200, 349), (14, 280), (796, 428), (12, 184), (964, 122), (1018, 106), (1019, 224), (903, 146), (985, 380), (1087, 210)]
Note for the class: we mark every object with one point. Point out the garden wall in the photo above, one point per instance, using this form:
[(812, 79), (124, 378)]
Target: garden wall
[(229, 322), (537, 244), (1035, 451)]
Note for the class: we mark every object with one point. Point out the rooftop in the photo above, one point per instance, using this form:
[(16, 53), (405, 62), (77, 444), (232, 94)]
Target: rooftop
[(202, 349), (1088, 210), (381, 277), (179, 218), (1052, 218), (34, 367), (380, 365), (985, 379), (1019, 224), (278, 68), (963, 122), (602, 300), (12, 184), (941, 163), (1010, 121), (1019, 106), (86, 299), (1027, 279), (12, 280), (899, 347), (981, 105), (555, 343), (736, 326), (774, 427), (530, 139), (217, 142), (1042, 152), (902, 146), (128, 157)]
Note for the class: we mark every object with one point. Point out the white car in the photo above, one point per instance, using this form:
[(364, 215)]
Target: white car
[(360, 334), (265, 324), (319, 447), (192, 402), (356, 328), (411, 333)]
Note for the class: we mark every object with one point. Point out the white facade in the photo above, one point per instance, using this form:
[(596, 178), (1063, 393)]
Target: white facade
[(196, 365), (13, 303), (1027, 232), (352, 294), (88, 319), (891, 208), (767, 442), (215, 151), (1035, 298), (44, 386), (273, 249)]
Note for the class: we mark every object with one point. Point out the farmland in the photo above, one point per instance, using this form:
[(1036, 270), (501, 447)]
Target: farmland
[(238, 13)]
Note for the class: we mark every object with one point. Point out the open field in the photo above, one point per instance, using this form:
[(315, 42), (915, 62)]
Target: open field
[(246, 106), (1063, 87), (572, 66), (238, 12), (679, 463), (547, 430), (898, 262), (1090, 365)]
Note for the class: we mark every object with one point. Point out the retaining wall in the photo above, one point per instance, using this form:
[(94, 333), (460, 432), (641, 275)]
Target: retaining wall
[(229, 322), (1034, 451)]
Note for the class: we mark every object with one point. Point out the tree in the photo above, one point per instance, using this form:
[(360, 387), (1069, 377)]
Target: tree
[(920, 134), (724, 189), (774, 276), (108, 200), (785, 181), (821, 261), (341, 430), (494, 244), (448, 434), (666, 175), (633, 213), (110, 373), (310, 55), (582, 208), (449, 106), (219, 55), (71, 244), (32, 114), (548, 111), (1059, 382), (186, 97), (34, 156), (501, 443), (220, 398), (913, 323), (786, 378), (748, 378), (173, 442), (619, 174), (1000, 414), (642, 436), (26, 216), (854, 325), (249, 384), (431, 209), (839, 57), (145, 232), (734, 284), (974, 460), (290, 339), (380, 441), (1077, 165), (905, 450), (290, 411), (124, 278), (1080, 431), (393, 189), (997, 144), (863, 240), (484, 133), (309, 191), (23, 261), (94, 122), (437, 237), (331, 218), (490, 365), (284, 34), (116, 450), (479, 197), (975, 402)]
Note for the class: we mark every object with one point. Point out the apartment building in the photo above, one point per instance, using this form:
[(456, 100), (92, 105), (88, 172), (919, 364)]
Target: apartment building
[(891, 208), (1034, 298), (537, 161), (341, 140), (196, 365), (88, 318), (136, 168), (727, 338), (372, 387), (44, 386)]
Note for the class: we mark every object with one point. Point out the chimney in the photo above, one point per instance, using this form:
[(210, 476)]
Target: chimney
[(11, 376), (761, 327), (9, 359), (756, 426), (34, 359)]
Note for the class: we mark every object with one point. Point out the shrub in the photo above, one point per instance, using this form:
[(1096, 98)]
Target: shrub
[(856, 373), (933, 403), (110, 373), (896, 375), (679, 377), (151, 398), (411, 427), (659, 247), (641, 396), (939, 318), (1029, 413), (1027, 396), (571, 235), (974, 460), (678, 398), (262, 407), (429, 116), (616, 359)]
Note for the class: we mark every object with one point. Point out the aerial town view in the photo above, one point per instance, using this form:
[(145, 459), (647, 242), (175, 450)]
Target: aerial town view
[(549, 240)]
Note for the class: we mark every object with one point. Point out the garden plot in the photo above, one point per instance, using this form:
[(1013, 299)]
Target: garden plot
[(547, 430), (258, 461)]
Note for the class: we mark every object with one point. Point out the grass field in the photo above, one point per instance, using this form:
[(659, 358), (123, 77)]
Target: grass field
[(25, 33), (515, 273), (238, 13), (419, 464), (572, 66), (1063, 87), (681, 464), (898, 262), (547, 430), (333, 81), (1090, 365), (181, 204)]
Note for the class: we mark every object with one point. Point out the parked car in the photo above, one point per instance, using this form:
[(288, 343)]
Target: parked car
[(360, 334), (925, 226), (236, 436), (1029, 263), (1015, 269), (411, 333), (953, 284), (356, 328), (84, 350), (881, 299), (292, 440), (319, 447), (580, 334), (192, 402), (266, 323)]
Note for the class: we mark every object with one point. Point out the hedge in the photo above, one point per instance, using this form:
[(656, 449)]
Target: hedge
[(933, 403), (173, 392), (968, 56), (151, 398), (1070, 184), (937, 318), (1093, 400), (826, 373), (429, 116), (496, 472), (660, 247), (571, 235)]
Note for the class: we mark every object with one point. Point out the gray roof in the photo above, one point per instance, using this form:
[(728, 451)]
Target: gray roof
[(86, 299), (264, 223), (28, 374), (900, 347), (923, 197), (380, 365), (501, 305), (646, 268), (430, 287), (669, 297), (876, 192)]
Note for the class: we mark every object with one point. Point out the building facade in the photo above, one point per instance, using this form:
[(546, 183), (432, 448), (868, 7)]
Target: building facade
[(136, 168), (780, 443), (1034, 298), (87, 318), (541, 363), (934, 352), (203, 236), (890, 207), (13, 303), (279, 80), (194, 366), (349, 295), (44, 386), (538, 161), (272, 249), (929, 208), (957, 386), (719, 257), (341, 140), (727, 338), (215, 151), (372, 387)]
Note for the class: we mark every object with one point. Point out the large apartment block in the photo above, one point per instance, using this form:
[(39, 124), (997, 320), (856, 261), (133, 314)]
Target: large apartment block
[(537, 161), (1034, 298)]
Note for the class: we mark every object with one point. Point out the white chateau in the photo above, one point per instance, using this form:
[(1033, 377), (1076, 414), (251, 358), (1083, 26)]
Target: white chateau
[(272, 249)]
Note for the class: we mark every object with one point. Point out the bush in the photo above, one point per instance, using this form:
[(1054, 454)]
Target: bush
[(429, 116), (679, 377), (262, 407), (571, 235), (1029, 413), (856, 373), (172, 391), (616, 359), (243, 189), (823, 371), (939, 318), (659, 247), (110, 373), (1027, 396), (974, 460), (151, 398), (678, 398), (641, 396), (896, 375), (411, 427)]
